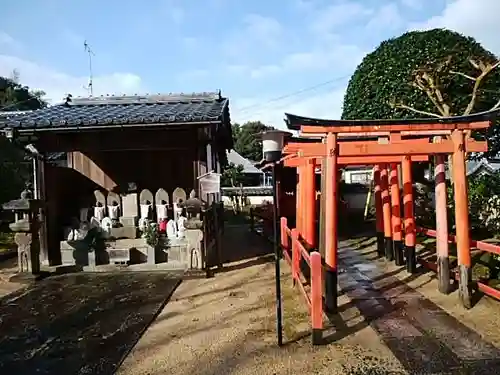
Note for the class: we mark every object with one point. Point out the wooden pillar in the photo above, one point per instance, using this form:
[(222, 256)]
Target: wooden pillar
[(443, 261), (397, 237), (386, 210), (298, 193), (310, 203), (409, 216), (379, 216), (462, 219), (40, 192), (330, 230)]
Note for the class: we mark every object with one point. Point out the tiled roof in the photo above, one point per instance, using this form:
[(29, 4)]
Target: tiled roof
[(237, 159), (122, 110)]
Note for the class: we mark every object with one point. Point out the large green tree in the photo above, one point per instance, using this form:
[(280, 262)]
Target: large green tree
[(14, 166), (435, 73), (246, 141)]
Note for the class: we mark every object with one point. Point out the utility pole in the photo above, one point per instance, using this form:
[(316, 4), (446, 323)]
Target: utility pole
[(90, 87)]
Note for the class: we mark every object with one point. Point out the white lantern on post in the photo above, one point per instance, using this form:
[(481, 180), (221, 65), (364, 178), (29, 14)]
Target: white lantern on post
[(272, 144)]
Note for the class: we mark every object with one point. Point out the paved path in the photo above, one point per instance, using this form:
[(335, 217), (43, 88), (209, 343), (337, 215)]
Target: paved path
[(78, 324), (422, 336)]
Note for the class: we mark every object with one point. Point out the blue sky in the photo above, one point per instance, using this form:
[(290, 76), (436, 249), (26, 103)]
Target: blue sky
[(254, 51)]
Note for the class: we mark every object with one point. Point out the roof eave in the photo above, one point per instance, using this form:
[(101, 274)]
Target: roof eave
[(80, 128)]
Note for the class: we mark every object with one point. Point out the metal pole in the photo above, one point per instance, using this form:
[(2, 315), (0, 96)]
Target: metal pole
[(277, 256)]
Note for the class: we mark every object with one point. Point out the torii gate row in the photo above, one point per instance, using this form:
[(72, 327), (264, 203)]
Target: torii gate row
[(384, 152)]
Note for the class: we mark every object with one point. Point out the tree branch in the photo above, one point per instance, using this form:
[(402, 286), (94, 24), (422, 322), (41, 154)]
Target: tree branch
[(495, 106), (485, 70), (462, 74), (407, 107)]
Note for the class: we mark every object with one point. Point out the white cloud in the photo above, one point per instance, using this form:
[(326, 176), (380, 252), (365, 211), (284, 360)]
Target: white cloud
[(7, 40), (257, 33), (329, 18), (386, 18), (476, 18), (58, 84), (412, 4)]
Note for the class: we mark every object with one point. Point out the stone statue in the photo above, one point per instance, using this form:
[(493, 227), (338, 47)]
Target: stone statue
[(106, 225), (181, 226), (162, 203), (100, 206), (171, 230), (194, 208), (145, 211)]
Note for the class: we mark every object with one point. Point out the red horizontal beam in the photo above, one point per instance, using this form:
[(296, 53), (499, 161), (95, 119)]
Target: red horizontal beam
[(486, 289), (392, 127), (394, 148), (356, 160), (294, 147), (480, 245)]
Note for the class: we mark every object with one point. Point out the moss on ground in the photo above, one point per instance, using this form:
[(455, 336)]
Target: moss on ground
[(6, 242)]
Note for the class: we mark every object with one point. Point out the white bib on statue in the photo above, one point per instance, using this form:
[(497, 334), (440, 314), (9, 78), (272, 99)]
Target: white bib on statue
[(145, 208), (99, 213), (106, 226), (113, 212), (171, 229), (180, 226), (161, 211), (143, 224)]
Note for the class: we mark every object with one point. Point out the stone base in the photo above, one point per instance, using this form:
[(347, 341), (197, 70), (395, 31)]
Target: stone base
[(129, 232), (181, 254)]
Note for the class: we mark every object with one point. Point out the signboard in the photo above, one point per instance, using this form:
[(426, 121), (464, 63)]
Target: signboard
[(210, 183)]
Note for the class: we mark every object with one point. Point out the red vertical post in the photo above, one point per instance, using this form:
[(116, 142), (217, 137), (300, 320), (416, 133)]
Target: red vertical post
[(409, 216), (443, 261), (284, 234), (397, 237), (379, 216), (295, 255), (386, 209), (331, 217), (299, 205), (310, 203), (462, 219), (316, 298)]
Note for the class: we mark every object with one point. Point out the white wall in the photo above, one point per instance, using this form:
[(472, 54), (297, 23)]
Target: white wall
[(253, 200)]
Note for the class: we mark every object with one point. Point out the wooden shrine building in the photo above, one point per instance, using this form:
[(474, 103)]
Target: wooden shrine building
[(117, 145)]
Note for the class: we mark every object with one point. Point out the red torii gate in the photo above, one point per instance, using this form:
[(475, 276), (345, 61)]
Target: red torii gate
[(399, 142)]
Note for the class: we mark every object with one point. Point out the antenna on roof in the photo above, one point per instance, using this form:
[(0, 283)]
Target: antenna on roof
[(90, 53)]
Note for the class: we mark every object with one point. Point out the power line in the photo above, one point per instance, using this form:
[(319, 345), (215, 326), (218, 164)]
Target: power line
[(306, 89)]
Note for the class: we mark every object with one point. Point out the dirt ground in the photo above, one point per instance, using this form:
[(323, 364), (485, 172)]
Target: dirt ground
[(226, 325)]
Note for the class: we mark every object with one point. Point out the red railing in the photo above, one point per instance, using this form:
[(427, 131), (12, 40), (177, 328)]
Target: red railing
[(480, 245), (290, 241)]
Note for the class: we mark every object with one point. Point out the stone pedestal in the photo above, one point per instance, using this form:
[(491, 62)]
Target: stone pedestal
[(193, 238), (28, 256), (128, 220)]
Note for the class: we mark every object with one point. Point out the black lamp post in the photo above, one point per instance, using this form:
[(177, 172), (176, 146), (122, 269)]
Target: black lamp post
[(272, 147)]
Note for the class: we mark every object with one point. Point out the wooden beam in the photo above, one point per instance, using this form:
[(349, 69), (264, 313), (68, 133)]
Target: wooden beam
[(393, 148), (313, 129), (87, 167), (355, 160)]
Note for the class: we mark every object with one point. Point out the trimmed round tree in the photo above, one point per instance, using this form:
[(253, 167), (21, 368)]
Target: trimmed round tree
[(434, 73)]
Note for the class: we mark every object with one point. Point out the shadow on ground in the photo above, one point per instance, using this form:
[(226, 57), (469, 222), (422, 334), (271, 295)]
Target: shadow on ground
[(421, 335), (242, 249), (79, 323)]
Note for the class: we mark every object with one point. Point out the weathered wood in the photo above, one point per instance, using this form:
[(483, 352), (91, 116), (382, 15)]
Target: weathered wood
[(87, 167)]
